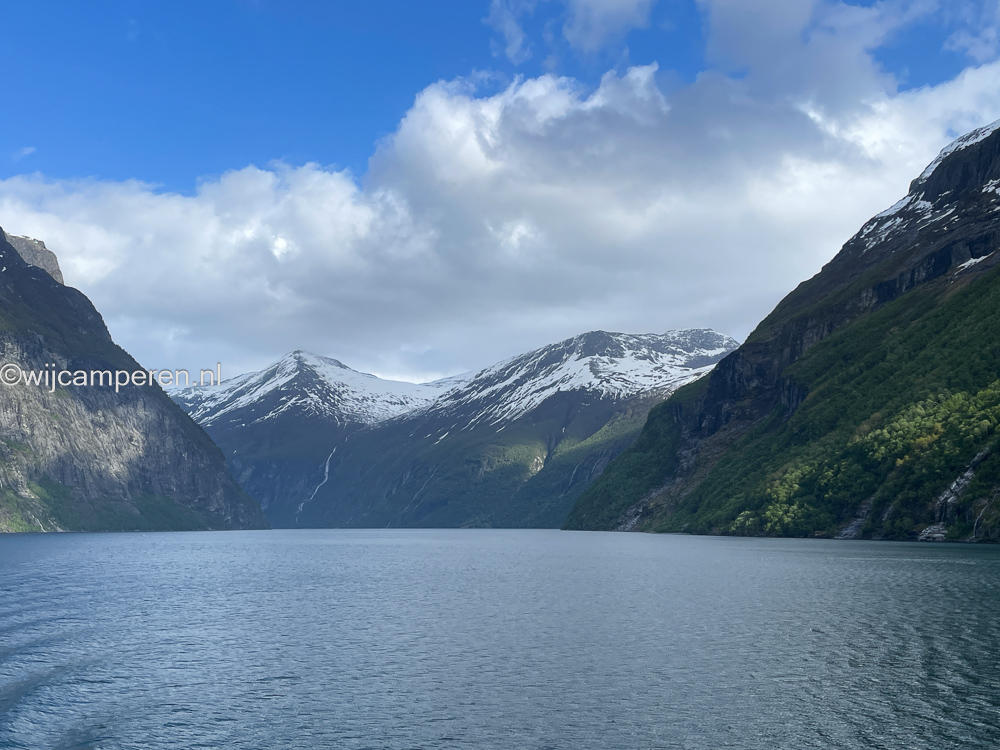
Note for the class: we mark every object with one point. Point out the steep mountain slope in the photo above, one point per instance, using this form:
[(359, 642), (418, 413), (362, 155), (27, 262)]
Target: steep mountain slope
[(278, 426), (87, 457), (865, 404), (511, 446)]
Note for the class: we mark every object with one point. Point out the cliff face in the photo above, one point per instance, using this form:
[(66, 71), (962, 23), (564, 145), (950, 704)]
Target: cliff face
[(948, 218), (34, 253), (86, 457), (781, 437)]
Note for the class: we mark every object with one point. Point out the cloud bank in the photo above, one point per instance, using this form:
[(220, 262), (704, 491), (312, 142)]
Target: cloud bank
[(488, 224)]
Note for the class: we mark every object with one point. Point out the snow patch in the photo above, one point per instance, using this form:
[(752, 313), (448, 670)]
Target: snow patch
[(613, 365), (884, 224), (974, 261), (965, 141)]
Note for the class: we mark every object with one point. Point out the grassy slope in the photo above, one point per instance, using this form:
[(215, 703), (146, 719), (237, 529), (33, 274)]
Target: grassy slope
[(899, 404)]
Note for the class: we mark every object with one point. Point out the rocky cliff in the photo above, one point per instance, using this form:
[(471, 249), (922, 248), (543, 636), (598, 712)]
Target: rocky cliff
[(93, 457), (34, 253)]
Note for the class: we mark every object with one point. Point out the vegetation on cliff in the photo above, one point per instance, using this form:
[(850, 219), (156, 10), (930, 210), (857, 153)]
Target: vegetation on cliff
[(867, 404)]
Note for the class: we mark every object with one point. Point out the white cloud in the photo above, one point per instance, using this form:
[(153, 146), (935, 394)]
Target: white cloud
[(978, 32), (23, 152), (593, 23), (588, 25), (491, 224), (504, 18)]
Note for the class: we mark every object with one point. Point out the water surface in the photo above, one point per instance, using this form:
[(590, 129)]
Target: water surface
[(494, 640)]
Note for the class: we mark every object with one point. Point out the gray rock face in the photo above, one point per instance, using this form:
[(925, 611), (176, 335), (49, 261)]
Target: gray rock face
[(36, 254), (88, 458)]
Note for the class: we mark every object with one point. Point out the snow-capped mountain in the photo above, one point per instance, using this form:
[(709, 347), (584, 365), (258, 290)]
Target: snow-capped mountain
[(307, 385), (320, 444), (613, 365), (938, 201)]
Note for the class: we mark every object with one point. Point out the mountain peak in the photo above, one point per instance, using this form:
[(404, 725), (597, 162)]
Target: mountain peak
[(959, 144), (611, 365), (34, 253), (959, 190), (970, 164), (614, 365), (308, 384), (612, 344), (300, 358)]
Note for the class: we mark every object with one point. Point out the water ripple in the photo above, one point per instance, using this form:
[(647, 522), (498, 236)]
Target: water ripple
[(494, 639)]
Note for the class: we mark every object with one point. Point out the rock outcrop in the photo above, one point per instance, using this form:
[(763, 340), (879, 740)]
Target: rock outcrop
[(36, 254)]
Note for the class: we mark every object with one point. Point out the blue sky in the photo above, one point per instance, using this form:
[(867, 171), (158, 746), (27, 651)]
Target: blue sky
[(422, 188), (171, 92)]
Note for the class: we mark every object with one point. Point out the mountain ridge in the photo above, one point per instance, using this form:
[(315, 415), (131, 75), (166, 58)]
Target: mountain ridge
[(351, 395), (34, 253), (297, 466), (907, 267)]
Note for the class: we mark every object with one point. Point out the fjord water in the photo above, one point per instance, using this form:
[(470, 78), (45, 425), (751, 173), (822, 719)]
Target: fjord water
[(494, 639)]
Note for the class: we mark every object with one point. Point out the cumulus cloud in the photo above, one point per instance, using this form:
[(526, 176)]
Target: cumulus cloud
[(807, 49), (490, 224)]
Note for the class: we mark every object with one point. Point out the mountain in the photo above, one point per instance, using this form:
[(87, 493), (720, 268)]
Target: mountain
[(305, 386), (615, 366), (93, 457), (513, 445), (278, 426), (865, 405)]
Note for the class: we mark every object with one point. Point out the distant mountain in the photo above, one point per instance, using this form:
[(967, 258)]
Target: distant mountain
[(866, 404), (513, 445), (616, 366), (277, 426), (305, 386), (85, 457)]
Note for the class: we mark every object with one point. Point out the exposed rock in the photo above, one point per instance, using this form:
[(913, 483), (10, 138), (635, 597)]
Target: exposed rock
[(36, 254), (936, 532), (951, 495), (853, 529)]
